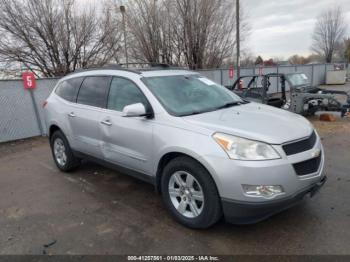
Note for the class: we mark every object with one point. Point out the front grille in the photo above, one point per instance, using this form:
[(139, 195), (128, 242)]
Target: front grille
[(300, 146), (307, 167)]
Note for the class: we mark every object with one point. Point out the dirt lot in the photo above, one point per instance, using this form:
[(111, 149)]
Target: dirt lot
[(98, 211)]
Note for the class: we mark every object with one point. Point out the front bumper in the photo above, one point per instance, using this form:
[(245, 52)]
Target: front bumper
[(229, 175), (240, 212), (298, 174)]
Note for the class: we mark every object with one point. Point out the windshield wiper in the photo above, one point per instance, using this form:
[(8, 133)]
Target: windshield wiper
[(193, 113), (229, 104)]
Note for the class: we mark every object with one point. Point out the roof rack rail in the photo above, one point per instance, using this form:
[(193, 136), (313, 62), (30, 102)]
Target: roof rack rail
[(120, 67), (109, 66), (136, 68), (146, 65)]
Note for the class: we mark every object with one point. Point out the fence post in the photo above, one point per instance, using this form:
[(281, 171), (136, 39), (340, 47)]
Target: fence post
[(221, 77), (36, 111), (277, 79)]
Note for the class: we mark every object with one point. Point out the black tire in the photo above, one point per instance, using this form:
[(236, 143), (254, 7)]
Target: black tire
[(212, 210), (72, 162)]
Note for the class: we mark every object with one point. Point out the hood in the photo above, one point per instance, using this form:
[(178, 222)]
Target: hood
[(255, 121)]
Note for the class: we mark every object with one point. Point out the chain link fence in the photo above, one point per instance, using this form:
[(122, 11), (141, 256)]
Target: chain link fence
[(21, 113)]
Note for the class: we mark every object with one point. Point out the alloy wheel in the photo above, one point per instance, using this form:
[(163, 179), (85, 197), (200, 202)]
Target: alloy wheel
[(186, 194), (60, 152)]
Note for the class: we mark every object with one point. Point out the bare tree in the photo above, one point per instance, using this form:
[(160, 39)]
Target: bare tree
[(50, 38), (259, 61), (151, 28), (328, 32), (196, 34), (347, 50), (9, 69), (298, 60), (207, 31)]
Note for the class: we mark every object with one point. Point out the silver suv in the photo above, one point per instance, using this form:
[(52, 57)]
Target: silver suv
[(208, 152)]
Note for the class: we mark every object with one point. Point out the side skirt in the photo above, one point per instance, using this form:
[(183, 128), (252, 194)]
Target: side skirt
[(121, 169)]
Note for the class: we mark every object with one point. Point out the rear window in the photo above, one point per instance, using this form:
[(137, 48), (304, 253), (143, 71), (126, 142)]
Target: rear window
[(68, 89), (94, 90)]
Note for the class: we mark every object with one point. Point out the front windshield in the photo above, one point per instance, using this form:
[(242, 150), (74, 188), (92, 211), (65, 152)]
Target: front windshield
[(190, 94), (298, 79)]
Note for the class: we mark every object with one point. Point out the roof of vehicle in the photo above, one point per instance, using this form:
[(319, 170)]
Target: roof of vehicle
[(167, 72), (144, 69)]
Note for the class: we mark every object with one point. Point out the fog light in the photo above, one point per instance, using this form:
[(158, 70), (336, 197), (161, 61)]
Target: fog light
[(262, 190)]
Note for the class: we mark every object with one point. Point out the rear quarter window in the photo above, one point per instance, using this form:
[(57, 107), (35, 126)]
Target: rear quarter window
[(68, 89)]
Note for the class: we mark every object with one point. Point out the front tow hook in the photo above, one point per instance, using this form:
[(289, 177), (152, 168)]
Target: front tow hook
[(317, 186)]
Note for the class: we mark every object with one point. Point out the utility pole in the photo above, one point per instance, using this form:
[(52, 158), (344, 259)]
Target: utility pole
[(122, 10), (156, 51), (238, 62)]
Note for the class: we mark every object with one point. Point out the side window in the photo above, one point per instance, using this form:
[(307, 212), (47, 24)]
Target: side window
[(124, 92), (93, 91), (68, 89)]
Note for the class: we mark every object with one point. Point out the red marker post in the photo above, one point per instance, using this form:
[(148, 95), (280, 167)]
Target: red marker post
[(29, 83), (29, 80), (231, 73)]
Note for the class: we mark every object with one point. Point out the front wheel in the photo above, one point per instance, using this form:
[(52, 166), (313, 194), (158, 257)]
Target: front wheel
[(190, 193)]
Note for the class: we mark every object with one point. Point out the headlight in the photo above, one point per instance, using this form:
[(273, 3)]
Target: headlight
[(244, 149)]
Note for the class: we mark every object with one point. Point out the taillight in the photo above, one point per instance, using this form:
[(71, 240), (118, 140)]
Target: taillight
[(44, 104)]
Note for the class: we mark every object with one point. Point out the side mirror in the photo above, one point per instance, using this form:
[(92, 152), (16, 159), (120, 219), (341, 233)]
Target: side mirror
[(134, 110)]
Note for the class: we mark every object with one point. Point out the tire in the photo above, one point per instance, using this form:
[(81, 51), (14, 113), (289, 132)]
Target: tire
[(196, 214), (60, 143)]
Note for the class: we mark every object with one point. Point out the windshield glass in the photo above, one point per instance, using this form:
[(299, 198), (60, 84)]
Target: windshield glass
[(190, 94), (298, 79)]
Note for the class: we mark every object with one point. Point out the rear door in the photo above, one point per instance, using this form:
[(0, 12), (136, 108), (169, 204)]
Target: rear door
[(128, 141), (68, 91), (85, 115)]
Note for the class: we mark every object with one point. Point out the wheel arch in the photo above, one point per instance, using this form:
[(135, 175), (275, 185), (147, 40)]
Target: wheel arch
[(168, 156), (53, 128)]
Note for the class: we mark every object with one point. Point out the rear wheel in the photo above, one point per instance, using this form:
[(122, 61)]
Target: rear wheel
[(62, 153), (190, 193)]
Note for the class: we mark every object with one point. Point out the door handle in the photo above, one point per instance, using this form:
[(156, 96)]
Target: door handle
[(71, 114), (106, 122)]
